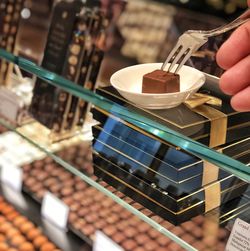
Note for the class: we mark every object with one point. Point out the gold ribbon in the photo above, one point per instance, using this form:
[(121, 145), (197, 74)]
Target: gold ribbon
[(218, 119), (212, 191), (218, 130), (210, 172), (212, 196)]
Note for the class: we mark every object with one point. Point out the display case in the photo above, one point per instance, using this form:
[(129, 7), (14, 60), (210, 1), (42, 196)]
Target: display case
[(147, 181)]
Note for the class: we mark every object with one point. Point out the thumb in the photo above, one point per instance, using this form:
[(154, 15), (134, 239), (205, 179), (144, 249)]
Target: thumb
[(248, 3)]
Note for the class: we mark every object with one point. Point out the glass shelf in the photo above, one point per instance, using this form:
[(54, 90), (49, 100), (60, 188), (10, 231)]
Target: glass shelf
[(208, 231), (129, 172)]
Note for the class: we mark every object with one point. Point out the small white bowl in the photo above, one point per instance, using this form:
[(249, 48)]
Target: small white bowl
[(128, 82)]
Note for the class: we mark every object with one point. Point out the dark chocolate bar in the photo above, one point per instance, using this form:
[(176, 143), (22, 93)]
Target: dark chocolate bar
[(77, 61), (10, 13), (43, 106)]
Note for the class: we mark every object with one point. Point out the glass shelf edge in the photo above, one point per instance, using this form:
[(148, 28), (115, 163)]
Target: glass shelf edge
[(103, 190)]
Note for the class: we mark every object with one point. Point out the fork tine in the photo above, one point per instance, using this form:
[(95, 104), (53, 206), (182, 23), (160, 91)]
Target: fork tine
[(183, 61), (175, 50), (177, 58)]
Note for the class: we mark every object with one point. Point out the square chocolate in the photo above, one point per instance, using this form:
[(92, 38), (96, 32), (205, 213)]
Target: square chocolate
[(159, 81)]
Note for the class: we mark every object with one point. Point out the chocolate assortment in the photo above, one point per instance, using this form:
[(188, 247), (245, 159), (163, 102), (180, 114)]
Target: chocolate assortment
[(9, 22), (74, 50), (19, 233), (90, 210), (144, 26)]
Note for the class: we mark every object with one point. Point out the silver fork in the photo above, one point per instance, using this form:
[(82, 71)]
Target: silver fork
[(191, 40)]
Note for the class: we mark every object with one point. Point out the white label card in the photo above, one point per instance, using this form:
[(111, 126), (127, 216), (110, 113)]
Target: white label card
[(9, 107), (12, 175), (55, 210), (103, 242), (239, 239)]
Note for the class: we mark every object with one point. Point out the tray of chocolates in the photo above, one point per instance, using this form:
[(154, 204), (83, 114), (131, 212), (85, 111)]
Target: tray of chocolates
[(19, 233), (90, 210)]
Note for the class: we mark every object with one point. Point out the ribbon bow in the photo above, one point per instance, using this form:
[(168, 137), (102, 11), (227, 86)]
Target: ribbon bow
[(218, 127), (200, 99)]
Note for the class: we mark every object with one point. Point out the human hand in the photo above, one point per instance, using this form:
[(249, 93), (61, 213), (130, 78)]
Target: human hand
[(234, 57)]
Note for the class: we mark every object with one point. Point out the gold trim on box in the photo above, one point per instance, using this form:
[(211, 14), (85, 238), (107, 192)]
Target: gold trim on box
[(159, 139), (132, 126), (143, 165), (242, 154), (149, 198), (233, 216), (234, 210), (177, 149), (179, 169), (191, 194), (242, 125), (218, 124), (146, 167)]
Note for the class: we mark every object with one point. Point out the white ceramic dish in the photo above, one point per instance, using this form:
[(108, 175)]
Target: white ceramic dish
[(128, 82), (211, 78)]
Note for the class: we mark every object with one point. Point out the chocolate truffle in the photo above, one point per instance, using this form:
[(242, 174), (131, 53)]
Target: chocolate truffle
[(159, 81)]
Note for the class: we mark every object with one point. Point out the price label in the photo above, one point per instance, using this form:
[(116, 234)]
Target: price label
[(55, 211), (9, 104), (103, 242), (239, 239), (12, 175)]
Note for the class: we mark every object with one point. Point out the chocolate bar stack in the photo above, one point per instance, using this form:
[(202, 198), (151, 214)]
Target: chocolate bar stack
[(74, 50), (10, 12), (167, 180)]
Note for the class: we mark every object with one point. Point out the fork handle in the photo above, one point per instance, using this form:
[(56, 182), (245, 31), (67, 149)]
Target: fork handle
[(227, 27)]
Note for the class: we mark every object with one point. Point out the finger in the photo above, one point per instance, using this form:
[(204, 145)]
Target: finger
[(235, 48), (248, 3), (237, 77), (241, 101)]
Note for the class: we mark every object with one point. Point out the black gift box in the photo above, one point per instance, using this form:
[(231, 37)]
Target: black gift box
[(160, 202), (189, 123), (164, 178), (151, 151), (160, 167)]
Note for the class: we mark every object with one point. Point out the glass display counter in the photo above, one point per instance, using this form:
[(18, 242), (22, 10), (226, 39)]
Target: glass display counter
[(122, 180), (172, 179)]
